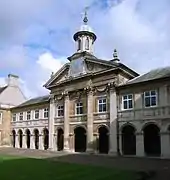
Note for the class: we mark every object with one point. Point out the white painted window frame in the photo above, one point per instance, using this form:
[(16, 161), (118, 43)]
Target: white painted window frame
[(128, 99), (150, 96)]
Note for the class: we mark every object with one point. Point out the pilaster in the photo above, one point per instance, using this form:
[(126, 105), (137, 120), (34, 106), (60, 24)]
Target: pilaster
[(66, 121), (90, 139), (32, 146), (41, 142), (51, 122), (17, 141), (113, 120)]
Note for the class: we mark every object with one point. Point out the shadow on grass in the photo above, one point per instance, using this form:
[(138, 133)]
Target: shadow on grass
[(21, 168)]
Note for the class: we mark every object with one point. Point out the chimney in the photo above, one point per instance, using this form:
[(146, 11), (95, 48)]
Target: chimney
[(12, 80)]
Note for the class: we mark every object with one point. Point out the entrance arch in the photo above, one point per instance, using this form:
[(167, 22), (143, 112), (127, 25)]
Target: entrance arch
[(103, 139), (152, 142), (128, 140), (36, 138), (28, 137), (60, 139), (20, 137), (13, 138), (46, 138), (80, 139)]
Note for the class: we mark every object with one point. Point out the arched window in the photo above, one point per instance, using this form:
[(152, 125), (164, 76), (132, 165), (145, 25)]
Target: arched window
[(87, 44), (79, 44)]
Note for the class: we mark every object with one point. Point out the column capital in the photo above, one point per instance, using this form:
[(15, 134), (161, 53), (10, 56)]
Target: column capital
[(89, 89), (111, 86), (65, 94)]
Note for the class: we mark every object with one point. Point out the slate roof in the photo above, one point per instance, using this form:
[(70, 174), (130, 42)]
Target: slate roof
[(2, 89), (151, 75), (33, 101)]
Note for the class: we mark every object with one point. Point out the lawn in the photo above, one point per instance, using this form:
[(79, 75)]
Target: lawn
[(38, 169)]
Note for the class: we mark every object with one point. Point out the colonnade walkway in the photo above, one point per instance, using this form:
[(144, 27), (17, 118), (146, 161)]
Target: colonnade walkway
[(159, 167)]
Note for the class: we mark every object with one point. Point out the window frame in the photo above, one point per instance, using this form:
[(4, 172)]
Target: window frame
[(102, 104), (127, 100), (150, 96), (14, 115), (28, 115), (21, 114), (60, 110), (79, 108), (46, 111), (35, 112)]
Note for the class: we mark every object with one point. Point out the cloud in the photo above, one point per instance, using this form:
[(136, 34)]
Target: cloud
[(36, 36)]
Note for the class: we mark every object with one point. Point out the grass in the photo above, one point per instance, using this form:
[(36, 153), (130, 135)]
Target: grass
[(38, 169)]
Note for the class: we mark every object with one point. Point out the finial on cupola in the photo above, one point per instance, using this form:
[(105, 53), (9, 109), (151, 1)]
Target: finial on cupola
[(115, 56), (85, 20)]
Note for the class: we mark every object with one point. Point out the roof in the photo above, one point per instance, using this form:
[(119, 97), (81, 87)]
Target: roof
[(2, 89), (32, 101), (151, 75)]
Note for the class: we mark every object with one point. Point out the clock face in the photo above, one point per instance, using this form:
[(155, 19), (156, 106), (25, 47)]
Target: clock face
[(76, 67)]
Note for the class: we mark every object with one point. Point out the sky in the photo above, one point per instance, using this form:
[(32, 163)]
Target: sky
[(36, 37)]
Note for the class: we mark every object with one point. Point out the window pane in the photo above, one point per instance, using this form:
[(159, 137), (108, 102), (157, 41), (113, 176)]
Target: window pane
[(153, 101), (124, 104), (100, 101), (104, 107), (129, 96), (100, 108), (153, 93), (147, 102), (81, 110), (104, 100), (130, 104), (124, 97), (147, 93)]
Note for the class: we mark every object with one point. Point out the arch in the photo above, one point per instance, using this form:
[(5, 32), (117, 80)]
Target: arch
[(13, 138), (87, 43), (80, 139), (46, 138), (20, 137), (28, 138), (60, 139), (128, 140), (36, 138), (152, 142), (103, 143)]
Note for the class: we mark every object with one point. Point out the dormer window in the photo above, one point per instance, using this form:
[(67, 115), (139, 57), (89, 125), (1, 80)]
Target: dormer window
[(87, 44), (79, 45)]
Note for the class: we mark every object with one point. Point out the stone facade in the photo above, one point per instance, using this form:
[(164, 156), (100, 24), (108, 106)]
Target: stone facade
[(97, 106)]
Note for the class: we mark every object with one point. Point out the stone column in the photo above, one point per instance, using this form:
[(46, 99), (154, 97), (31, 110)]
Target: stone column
[(41, 142), (24, 143), (113, 122), (51, 123), (17, 141), (66, 121), (32, 142), (96, 142), (90, 139), (165, 144), (55, 142), (140, 144)]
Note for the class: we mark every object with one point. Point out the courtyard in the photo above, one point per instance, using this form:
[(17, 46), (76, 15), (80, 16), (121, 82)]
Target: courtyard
[(36, 164)]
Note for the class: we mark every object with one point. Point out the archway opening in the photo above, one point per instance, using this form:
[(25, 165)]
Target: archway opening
[(103, 140), (152, 142), (36, 138), (128, 140), (46, 138), (28, 138), (20, 137), (80, 139), (60, 139), (13, 138)]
